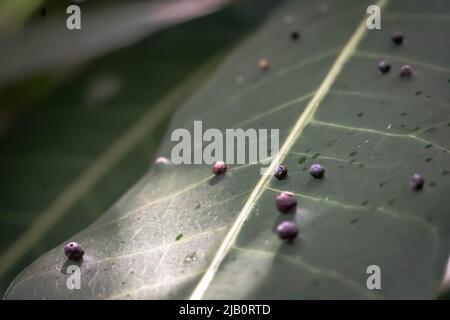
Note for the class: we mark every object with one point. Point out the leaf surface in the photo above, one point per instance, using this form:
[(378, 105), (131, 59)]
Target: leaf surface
[(181, 233), (72, 144)]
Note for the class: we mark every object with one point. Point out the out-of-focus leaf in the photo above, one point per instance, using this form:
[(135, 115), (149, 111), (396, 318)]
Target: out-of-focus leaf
[(333, 106), (50, 44), (14, 12), (69, 155)]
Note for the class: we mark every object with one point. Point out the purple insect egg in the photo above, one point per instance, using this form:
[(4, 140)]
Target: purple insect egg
[(287, 230), (405, 71), (162, 161), (384, 67), (417, 182), (73, 251), (316, 171), (286, 202), (219, 167), (280, 172)]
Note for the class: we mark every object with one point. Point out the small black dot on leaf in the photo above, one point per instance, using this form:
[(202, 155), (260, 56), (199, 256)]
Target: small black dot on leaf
[(397, 38), (384, 67), (179, 237), (295, 35)]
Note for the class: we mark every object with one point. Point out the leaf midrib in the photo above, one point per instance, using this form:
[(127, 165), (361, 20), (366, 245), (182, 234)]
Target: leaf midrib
[(305, 117)]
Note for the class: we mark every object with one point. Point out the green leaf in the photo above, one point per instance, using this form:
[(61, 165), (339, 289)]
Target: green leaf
[(72, 144), (103, 28), (332, 106)]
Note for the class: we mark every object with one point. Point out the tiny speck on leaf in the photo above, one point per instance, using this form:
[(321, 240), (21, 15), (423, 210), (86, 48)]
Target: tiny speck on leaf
[(428, 146), (365, 202), (354, 220), (295, 35), (301, 160), (405, 71), (263, 64), (179, 237), (417, 181), (429, 159), (418, 93), (352, 154), (360, 114)]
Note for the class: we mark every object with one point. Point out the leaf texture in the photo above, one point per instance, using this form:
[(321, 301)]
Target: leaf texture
[(324, 92)]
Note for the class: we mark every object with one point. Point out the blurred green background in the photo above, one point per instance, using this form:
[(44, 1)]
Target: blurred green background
[(82, 112)]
